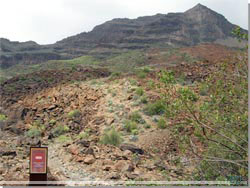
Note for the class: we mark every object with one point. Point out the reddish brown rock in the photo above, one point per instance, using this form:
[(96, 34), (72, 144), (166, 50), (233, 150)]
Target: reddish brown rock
[(89, 159)]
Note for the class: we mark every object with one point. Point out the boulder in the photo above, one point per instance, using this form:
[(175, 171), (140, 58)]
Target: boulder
[(132, 148)]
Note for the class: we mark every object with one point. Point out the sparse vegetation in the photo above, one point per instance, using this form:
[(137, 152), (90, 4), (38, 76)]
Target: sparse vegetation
[(130, 126), (111, 137), (136, 117), (33, 132), (52, 122), (59, 130), (139, 91), (3, 117), (144, 99), (74, 113), (156, 108), (83, 135), (161, 123), (64, 138)]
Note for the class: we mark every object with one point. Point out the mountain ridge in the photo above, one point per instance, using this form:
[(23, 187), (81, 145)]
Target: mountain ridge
[(196, 25)]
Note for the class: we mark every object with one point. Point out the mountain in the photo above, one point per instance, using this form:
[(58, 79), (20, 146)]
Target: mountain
[(197, 25)]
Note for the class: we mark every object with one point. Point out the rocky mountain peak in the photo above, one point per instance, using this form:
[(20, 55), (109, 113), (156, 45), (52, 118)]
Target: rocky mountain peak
[(198, 8)]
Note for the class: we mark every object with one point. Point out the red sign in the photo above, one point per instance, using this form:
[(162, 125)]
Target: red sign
[(38, 160)]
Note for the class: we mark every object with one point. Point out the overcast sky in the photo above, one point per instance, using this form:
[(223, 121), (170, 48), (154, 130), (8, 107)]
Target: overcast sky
[(47, 21)]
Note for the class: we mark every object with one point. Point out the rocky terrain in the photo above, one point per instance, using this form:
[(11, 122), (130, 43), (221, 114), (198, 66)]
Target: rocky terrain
[(72, 113), (134, 99)]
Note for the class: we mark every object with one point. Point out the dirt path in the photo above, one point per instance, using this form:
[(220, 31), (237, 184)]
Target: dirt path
[(62, 167)]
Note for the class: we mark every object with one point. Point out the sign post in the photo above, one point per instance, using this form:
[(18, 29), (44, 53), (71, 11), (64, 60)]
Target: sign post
[(38, 164)]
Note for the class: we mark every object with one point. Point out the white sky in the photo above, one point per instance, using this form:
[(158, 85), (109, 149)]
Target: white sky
[(47, 21)]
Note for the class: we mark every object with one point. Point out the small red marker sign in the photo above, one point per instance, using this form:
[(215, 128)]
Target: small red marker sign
[(38, 160)]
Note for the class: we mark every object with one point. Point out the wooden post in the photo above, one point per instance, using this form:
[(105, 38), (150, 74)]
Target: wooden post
[(38, 165)]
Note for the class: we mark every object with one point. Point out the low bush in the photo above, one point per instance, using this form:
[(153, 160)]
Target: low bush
[(130, 126), (60, 130), (139, 91), (3, 117), (33, 132), (74, 113), (162, 123), (136, 117), (64, 138), (155, 108), (144, 100), (111, 137)]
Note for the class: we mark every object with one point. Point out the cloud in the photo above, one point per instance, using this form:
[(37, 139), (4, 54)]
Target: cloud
[(47, 21)]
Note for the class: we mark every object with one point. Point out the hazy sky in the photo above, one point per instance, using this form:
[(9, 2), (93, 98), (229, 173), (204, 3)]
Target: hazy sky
[(47, 21)]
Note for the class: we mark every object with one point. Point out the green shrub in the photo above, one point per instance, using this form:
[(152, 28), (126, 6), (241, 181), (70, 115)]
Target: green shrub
[(187, 94), (141, 74), (136, 117), (52, 122), (135, 132), (133, 82), (74, 113), (139, 91), (60, 130), (115, 74), (151, 84), (162, 123), (130, 125), (64, 138), (167, 77), (204, 90), (33, 132), (146, 69), (147, 126), (83, 135), (38, 125), (111, 137), (144, 100), (155, 108), (3, 117)]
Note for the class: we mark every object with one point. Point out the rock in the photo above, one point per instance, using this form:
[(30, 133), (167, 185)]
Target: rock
[(132, 148), (127, 153), (8, 153), (91, 97), (161, 165), (89, 159), (133, 138), (84, 143), (113, 176), (99, 120), (123, 166), (35, 142), (131, 176), (130, 97), (52, 107), (88, 151), (79, 159), (150, 166), (108, 162), (73, 149), (110, 121), (107, 167), (67, 144)]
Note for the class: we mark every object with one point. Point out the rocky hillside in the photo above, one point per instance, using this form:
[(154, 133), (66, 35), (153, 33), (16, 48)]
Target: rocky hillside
[(197, 25), (139, 127)]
